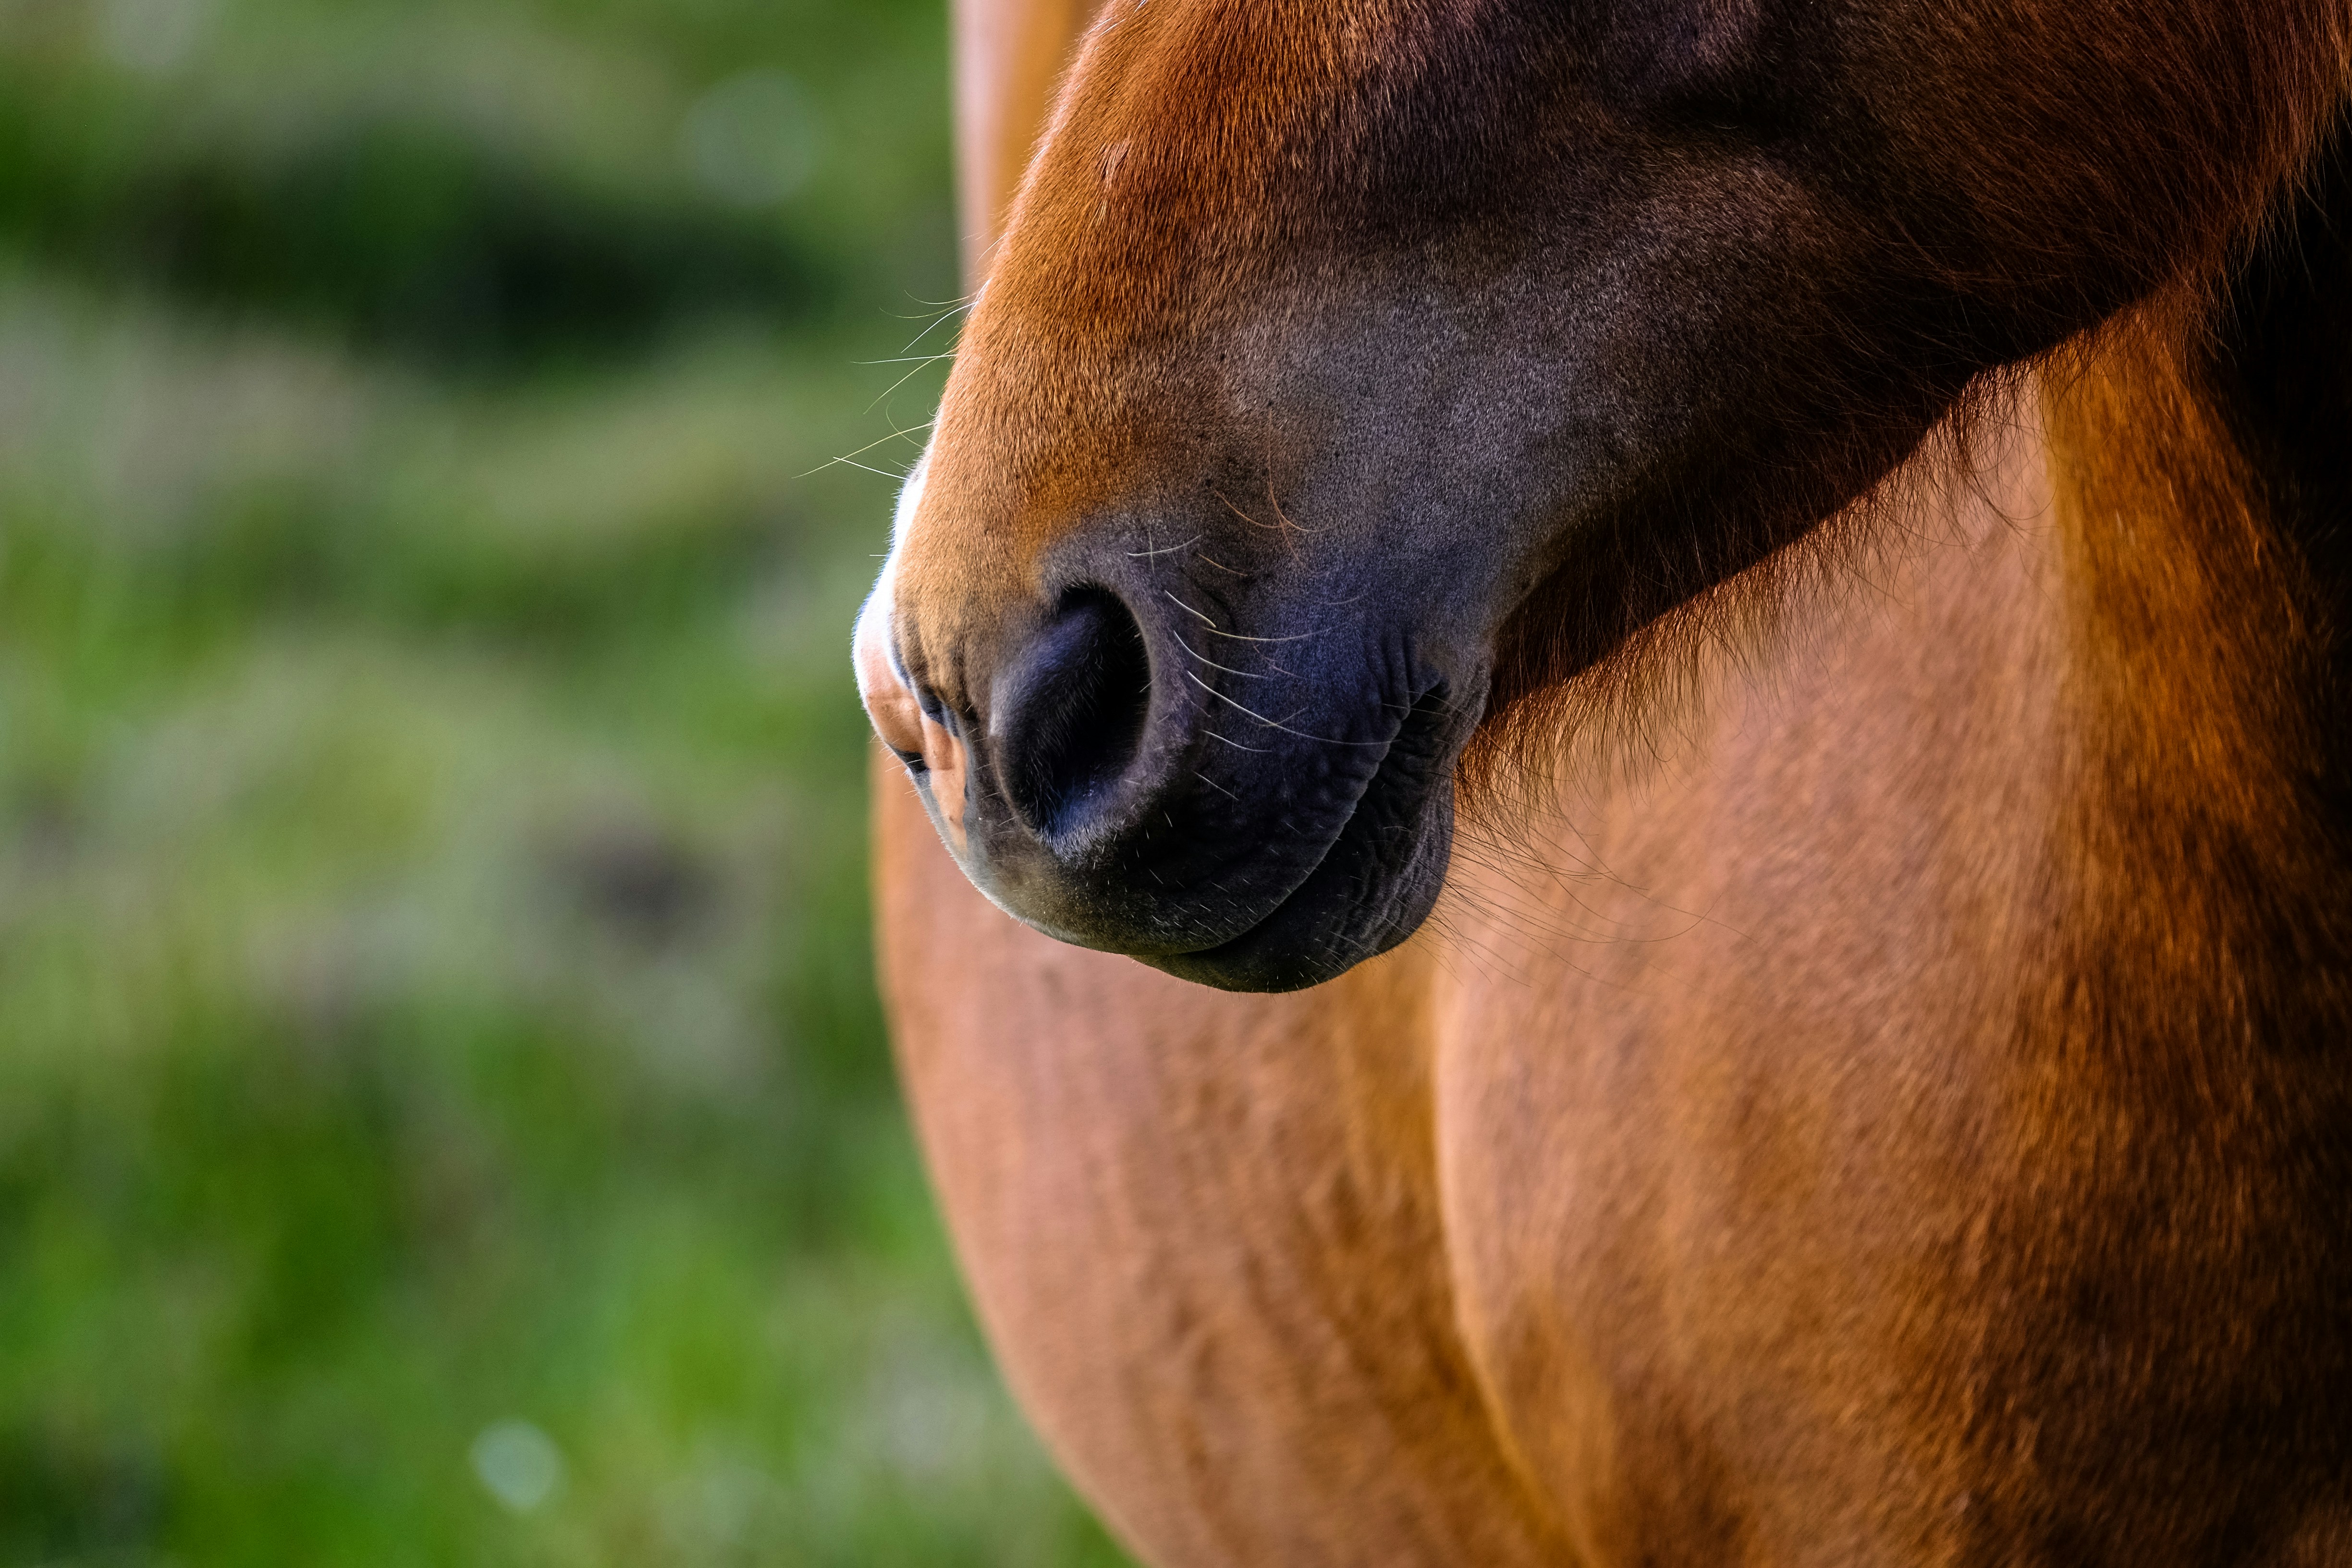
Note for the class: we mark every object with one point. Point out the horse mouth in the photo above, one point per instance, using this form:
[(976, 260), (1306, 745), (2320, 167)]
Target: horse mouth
[(1375, 883)]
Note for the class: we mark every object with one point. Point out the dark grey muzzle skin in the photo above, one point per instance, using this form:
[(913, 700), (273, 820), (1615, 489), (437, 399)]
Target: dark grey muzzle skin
[(1232, 780)]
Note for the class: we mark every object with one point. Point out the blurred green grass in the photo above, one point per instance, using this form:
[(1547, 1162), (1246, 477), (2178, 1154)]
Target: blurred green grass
[(443, 1113)]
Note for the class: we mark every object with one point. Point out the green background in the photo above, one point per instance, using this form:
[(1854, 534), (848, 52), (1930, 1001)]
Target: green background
[(444, 1118)]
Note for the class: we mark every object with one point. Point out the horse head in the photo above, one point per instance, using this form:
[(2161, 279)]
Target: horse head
[(1352, 373)]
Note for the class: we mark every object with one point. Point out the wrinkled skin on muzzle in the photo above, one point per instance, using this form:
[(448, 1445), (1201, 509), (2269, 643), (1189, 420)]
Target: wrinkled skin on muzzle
[(1351, 373)]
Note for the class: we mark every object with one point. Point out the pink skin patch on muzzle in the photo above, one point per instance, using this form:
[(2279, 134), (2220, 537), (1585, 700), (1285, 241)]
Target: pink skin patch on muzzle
[(897, 713)]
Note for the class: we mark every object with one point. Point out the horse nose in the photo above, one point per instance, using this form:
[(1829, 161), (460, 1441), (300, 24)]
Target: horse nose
[(1067, 715)]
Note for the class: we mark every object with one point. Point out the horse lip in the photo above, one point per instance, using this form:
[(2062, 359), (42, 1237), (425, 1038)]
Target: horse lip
[(1171, 951), (917, 736), (1394, 773), (882, 685)]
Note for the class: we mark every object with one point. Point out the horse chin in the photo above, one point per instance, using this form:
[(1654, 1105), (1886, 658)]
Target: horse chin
[(1306, 942), (1373, 888)]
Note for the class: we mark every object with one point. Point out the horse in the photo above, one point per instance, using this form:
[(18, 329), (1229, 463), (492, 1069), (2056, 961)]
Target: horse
[(1614, 812)]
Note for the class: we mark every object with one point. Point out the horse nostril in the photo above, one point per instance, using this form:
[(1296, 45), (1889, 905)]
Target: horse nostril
[(1070, 711)]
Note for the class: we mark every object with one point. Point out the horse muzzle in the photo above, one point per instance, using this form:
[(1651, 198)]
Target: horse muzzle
[(1128, 764)]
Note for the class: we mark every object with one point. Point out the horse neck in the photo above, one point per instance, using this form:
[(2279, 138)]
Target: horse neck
[(2202, 492)]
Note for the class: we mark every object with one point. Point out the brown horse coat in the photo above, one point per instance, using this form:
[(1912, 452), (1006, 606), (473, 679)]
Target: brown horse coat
[(1873, 1087)]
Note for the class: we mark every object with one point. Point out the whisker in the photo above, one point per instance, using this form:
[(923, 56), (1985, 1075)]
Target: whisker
[(1237, 636), (869, 445), (905, 379), (1234, 636), (1213, 664), (1163, 550), (1189, 610), (1270, 528), (951, 313), (1272, 501), (1276, 723)]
